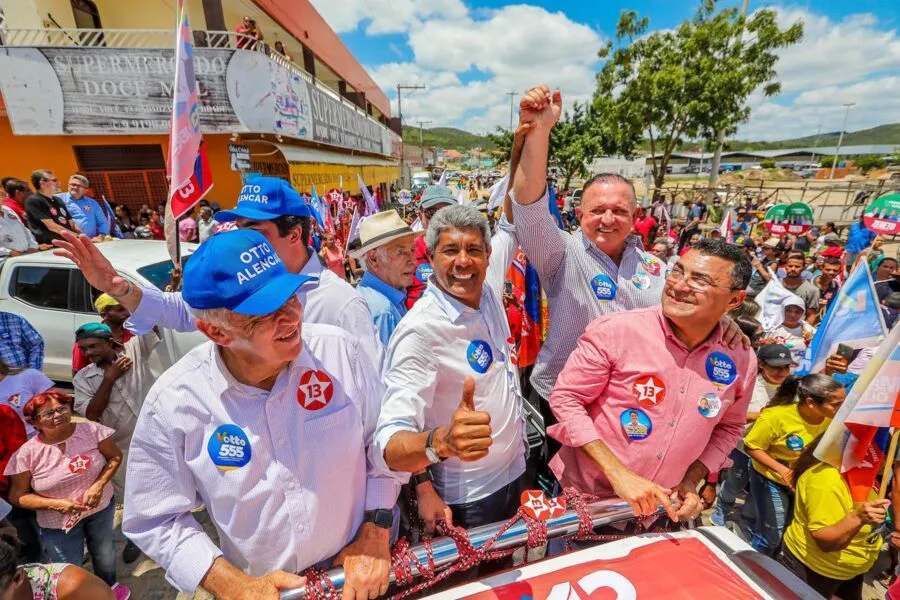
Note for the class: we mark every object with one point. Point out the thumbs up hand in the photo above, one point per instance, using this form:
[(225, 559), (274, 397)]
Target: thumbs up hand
[(469, 434)]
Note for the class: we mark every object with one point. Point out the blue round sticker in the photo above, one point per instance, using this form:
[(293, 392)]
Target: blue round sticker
[(720, 368), (423, 272), (480, 356), (604, 287), (640, 280), (229, 447), (636, 424), (794, 442)]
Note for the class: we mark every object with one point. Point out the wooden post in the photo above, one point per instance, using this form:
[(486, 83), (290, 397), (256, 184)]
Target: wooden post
[(803, 193), (888, 464)]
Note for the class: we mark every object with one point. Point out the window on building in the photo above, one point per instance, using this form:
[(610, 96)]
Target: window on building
[(86, 14)]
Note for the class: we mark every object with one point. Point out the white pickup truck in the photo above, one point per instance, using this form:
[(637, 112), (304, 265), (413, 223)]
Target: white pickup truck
[(51, 293)]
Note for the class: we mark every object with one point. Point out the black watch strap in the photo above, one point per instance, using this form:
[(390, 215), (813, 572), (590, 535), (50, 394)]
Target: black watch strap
[(422, 477), (380, 517)]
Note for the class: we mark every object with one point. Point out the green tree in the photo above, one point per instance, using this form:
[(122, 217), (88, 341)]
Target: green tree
[(767, 164), (867, 163), (826, 162), (574, 142), (689, 82)]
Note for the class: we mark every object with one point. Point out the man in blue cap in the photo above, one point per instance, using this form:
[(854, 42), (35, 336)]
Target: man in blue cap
[(272, 207), (270, 431)]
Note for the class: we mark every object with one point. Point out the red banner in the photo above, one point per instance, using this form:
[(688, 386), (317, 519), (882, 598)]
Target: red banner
[(197, 186), (673, 569)]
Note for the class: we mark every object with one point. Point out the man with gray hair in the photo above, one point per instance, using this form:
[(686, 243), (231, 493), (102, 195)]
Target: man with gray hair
[(86, 211), (388, 254), (453, 412)]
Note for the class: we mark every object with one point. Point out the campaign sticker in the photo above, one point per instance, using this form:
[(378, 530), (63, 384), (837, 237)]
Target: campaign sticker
[(80, 464), (720, 368), (648, 390), (314, 390), (537, 506), (794, 442), (423, 272), (62, 220), (14, 400), (604, 287), (636, 424), (709, 405), (640, 280), (653, 266), (53, 211), (480, 356), (229, 447)]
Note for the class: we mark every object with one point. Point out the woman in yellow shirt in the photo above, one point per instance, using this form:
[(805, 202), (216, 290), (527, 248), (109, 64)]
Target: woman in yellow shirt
[(827, 543), (800, 411)]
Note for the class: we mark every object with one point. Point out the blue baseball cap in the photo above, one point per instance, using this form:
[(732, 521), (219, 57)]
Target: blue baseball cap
[(239, 271), (266, 198), (436, 195)]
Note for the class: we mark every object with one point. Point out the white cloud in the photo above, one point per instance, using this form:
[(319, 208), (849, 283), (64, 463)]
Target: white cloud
[(835, 52), (386, 16), (852, 59)]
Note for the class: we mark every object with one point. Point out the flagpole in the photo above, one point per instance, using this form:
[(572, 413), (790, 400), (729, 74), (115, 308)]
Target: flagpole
[(888, 465)]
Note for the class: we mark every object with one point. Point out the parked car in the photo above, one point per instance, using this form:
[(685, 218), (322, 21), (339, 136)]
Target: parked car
[(807, 172), (52, 294)]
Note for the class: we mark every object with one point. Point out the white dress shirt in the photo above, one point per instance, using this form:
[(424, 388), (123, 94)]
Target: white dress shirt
[(434, 348), (14, 236), (327, 299), (289, 493)]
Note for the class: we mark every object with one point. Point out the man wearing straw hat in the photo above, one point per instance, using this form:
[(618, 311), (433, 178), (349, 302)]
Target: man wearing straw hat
[(388, 254)]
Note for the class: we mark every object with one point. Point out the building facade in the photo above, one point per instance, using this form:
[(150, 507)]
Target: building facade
[(86, 87)]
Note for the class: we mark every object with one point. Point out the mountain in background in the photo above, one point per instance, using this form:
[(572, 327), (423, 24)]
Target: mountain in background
[(446, 138), (449, 137)]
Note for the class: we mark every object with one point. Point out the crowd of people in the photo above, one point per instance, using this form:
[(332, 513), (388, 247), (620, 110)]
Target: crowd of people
[(357, 386)]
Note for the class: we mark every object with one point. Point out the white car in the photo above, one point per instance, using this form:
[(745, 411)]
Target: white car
[(52, 294)]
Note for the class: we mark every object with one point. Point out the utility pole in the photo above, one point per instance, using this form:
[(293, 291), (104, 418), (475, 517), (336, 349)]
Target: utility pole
[(401, 87), (840, 140), (816, 144), (720, 141), (512, 96), (421, 141)]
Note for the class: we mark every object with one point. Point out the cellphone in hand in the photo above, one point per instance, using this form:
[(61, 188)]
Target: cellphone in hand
[(845, 352)]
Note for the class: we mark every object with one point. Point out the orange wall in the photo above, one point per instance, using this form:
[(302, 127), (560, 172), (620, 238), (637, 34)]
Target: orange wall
[(23, 154), (307, 25)]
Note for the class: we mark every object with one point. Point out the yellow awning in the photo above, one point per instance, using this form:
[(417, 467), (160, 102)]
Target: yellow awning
[(324, 169)]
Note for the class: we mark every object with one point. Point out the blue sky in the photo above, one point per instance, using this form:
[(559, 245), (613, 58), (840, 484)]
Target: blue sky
[(470, 53)]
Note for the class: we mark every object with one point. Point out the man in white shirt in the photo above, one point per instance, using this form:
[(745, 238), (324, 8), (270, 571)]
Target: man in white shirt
[(272, 207), (456, 335), (269, 431), (15, 238)]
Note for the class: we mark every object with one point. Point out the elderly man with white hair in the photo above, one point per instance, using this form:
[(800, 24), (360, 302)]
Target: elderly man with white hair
[(268, 425), (87, 212), (388, 255), (453, 411)]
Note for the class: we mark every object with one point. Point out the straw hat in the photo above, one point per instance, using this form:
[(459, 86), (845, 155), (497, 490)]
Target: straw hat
[(380, 229)]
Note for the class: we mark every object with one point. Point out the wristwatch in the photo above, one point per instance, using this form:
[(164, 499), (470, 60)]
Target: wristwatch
[(380, 517), (422, 477), (430, 453)]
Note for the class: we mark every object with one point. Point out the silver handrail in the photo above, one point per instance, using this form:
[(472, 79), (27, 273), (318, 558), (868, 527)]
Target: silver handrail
[(444, 551)]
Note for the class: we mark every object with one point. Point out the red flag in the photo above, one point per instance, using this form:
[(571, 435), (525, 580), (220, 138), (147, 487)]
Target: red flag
[(530, 343)]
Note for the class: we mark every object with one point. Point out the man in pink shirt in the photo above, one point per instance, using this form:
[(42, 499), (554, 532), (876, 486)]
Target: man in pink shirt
[(652, 400)]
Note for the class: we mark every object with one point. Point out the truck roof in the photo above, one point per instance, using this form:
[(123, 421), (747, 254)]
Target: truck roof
[(125, 255)]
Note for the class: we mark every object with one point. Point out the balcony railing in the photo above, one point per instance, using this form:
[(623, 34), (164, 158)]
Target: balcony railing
[(159, 38)]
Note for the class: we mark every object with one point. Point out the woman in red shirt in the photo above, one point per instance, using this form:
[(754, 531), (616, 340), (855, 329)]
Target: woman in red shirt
[(333, 256), (644, 224)]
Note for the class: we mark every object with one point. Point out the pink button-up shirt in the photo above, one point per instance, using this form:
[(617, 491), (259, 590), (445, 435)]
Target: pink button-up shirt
[(695, 400)]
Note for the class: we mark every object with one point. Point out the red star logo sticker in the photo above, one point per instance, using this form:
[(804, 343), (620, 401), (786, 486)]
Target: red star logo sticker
[(315, 390), (80, 464), (535, 505), (649, 390)]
